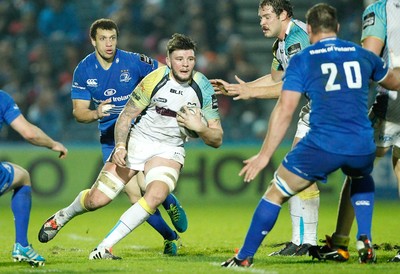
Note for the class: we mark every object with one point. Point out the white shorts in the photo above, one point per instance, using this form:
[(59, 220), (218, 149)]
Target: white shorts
[(139, 152), (303, 125), (386, 133)]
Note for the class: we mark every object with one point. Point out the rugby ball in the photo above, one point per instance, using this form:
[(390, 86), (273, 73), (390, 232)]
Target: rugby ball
[(188, 132)]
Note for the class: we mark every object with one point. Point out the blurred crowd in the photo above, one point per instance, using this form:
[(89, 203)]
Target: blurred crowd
[(41, 42)]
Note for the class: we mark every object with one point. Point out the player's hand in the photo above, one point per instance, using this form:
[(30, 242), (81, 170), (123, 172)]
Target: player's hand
[(60, 148), (252, 167), (104, 108), (219, 86), (190, 119), (119, 155)]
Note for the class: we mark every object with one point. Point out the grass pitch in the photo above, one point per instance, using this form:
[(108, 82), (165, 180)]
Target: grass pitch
[(216, 228)]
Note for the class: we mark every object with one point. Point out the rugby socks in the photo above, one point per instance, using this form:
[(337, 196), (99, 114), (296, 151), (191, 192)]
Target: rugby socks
[(74, 209), (21, 203), (362, 199), (295, 210), (158, 223), (169, 200), (130, 219), (264, 218), (309, 203)]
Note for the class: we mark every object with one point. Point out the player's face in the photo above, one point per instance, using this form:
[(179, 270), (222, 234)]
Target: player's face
[(105, 44), (270, 22), (182, 63)]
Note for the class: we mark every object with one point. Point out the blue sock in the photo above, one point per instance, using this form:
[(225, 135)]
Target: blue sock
[(263, 221), (362, 199), (169, 200), (158, 223), (21, 203)]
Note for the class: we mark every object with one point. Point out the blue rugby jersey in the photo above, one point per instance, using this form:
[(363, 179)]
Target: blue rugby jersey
[(9, 110), (92, 82), (334, 74)]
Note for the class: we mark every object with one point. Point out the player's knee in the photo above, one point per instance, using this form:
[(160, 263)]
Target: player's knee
[(109, 184), (282, 186), (167, 175)]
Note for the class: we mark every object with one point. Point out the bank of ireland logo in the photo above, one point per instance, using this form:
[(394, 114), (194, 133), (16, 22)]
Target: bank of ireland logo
[(125, 77), (91, 82), (110, 92)]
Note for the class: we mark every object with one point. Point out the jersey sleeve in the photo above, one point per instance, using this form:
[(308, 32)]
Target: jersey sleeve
[(141, 95), (9, 109), (293, 78), (374, 23), (210, 102), (381, 69), (78, 89), (145, 63)]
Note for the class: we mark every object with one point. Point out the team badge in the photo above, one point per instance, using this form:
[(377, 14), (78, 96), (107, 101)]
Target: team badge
[(125, 77), (368, 20), (293, 49)]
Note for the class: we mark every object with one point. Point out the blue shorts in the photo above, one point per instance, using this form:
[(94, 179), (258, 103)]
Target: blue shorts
[(314, 164), (6, 176)]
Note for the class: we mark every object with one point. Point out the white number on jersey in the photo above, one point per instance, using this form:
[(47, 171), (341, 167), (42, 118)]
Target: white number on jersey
[(350, 68)]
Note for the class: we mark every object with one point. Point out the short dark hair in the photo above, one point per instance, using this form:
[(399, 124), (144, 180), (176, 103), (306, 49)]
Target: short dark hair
[(322, 18), (180, 41), (102, 23), (278, 6)]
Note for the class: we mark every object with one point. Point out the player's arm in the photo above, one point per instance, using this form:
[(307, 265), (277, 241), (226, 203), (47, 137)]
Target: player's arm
[(212, 135), (373, 44), (36, 136), (83, 113), (122, 128), (278, 124), (266, 87)]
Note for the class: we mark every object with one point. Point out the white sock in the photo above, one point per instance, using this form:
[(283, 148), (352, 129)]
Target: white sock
[(74, 209), (310, 217), (132, 218), (304, 214), (297, 221)]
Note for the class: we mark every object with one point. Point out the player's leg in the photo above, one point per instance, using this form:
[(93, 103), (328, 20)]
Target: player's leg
[(134, 191), (284, 185), (173, 208), (396, 168), (108, 185), (303, 209), (16, 178), (160, 178)]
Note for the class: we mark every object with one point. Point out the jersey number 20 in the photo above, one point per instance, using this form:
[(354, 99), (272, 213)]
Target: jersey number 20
[(352, 73)]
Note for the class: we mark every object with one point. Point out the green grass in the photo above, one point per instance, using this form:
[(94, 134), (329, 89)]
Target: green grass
[(216, 228)]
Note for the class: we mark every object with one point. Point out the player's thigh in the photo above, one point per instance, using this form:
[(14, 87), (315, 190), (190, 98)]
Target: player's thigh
[(135, 187)]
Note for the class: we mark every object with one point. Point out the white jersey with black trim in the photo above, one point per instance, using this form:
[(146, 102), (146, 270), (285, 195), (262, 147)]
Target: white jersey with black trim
[(161, 97)]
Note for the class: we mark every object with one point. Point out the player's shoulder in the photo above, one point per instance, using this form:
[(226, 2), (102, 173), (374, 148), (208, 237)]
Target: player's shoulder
[(5, 97), (375, 9), (87, 61), (138, 58), (199, 77), (376, 6)]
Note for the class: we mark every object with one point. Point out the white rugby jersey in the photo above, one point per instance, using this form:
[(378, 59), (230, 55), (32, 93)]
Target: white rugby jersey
[(161, 97), (382, 21)]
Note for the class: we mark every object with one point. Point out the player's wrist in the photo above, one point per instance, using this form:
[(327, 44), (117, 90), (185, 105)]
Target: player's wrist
[(120, 146), (96, 115)]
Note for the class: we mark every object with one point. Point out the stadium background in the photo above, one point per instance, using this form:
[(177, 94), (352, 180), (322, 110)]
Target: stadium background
[(37, 58)]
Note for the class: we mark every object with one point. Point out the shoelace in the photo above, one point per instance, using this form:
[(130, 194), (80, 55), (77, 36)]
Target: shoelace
[(175, 212)]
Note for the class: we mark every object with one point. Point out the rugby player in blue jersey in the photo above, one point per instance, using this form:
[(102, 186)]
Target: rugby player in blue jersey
[(17, 179), (107, 77), (380, 34), (336, 140)]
